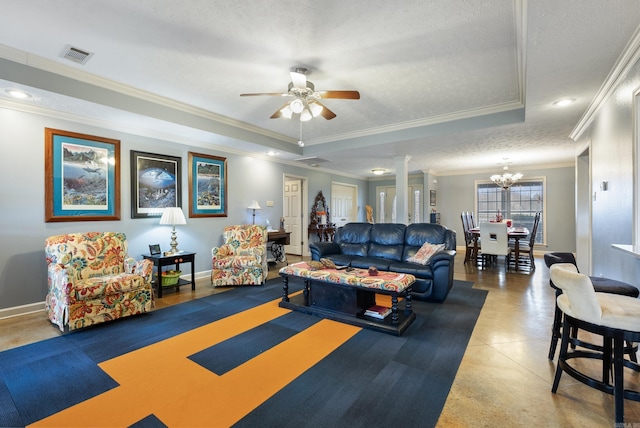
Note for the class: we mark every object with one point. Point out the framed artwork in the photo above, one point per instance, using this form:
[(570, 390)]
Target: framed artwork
[(154, 249), (432, 198), (207, 185), (82, 177), (155, 184)]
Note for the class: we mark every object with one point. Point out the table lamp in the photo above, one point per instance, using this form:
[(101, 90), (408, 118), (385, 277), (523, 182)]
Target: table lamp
[(254, 206), (173, 216)]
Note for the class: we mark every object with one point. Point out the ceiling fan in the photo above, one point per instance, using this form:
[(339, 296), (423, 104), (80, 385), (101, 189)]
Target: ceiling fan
[(306, 100)]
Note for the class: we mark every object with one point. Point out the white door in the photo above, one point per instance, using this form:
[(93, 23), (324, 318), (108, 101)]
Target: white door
[(293, 214), (387, 204), (343, 203)]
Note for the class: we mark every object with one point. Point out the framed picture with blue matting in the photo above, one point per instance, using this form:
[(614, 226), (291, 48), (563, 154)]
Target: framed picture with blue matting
[(207, 185), (82, 177), (156, 183)]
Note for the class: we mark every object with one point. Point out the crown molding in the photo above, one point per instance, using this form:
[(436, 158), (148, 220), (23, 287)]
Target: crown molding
[(628, 59)]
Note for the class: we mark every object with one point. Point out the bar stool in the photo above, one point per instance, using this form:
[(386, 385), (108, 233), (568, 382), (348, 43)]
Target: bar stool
[(614, 317), (600, 285)]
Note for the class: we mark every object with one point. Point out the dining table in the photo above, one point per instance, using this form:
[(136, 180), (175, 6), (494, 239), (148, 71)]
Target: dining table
[(515, 233)]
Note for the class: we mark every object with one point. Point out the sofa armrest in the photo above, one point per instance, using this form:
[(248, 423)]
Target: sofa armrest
[(323, 249), (442, 264), (60, 282), (258, 252), (222, 251), (143, 267), (442, 257)]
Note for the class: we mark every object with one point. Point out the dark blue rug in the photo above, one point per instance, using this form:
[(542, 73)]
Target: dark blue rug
[(374, 379)]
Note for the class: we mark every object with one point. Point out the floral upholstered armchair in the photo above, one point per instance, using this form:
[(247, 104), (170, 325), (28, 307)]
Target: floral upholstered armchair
[(92, 280), (242, 259)]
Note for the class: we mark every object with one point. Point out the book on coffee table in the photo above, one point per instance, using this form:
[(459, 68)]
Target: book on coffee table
[(377, 311)]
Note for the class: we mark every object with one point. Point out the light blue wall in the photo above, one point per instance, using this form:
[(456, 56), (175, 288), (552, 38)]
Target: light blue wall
[(456, 193), (23, 277), (610, 136)]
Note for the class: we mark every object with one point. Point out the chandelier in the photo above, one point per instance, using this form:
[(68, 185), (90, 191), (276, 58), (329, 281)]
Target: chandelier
[(507, 179)]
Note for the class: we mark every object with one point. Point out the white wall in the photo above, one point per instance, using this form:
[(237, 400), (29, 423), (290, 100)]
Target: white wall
[(610, 136)]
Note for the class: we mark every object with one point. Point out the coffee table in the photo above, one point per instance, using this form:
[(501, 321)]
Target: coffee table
[(345, 296)]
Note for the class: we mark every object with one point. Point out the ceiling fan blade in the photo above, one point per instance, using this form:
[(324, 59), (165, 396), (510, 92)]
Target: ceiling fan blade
[(345, 95), (271, 94), (299, 80), (278, 112), (326, 113)]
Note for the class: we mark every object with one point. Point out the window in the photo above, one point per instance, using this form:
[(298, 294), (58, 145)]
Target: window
[(520, 203)]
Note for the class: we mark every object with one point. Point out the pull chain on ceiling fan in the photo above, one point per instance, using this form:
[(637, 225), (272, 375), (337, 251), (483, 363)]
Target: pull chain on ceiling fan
[(300, 142), (306, 100)]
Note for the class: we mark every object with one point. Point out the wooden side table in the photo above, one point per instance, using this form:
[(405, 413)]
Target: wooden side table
[(160, 261)]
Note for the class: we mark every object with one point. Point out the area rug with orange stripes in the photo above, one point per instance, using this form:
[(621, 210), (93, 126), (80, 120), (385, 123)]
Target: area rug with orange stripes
[(238, 359)]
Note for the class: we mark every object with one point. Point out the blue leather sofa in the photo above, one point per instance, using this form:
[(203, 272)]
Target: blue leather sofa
[(387, 246)]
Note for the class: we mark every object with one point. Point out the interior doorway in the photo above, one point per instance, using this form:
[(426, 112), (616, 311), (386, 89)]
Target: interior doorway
[(386, 204), (343, 205), (583, 211), (293, 209)]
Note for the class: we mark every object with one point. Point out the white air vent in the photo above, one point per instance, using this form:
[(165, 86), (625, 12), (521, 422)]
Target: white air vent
[(312, 159), (77, 55)]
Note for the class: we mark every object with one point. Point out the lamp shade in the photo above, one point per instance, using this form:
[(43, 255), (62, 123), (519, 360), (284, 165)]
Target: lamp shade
[(254, 205), (173, 216), (296, 106)]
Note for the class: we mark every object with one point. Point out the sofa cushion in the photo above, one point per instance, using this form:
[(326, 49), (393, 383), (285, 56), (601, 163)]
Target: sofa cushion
[(387, 241), (360, 250), (419, 233), (424, 254), (354, 233), (366, 262), (415, 269), (388, 234), (98, 287), (390, 252)]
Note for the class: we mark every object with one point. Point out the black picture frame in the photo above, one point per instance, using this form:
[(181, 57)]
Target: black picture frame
[(154, 249), (156, 183)]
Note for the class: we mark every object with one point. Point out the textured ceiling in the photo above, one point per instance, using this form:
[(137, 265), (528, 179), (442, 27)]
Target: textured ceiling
[(456, 85)]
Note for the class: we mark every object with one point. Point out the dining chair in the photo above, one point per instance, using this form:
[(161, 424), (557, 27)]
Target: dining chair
[(468, 237), (495, 242), (472, 220), (526, 248)]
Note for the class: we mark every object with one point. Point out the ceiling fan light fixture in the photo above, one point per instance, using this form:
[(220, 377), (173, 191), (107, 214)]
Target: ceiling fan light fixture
[(296, 105), (315, 108), (305, 115), (286, 112)]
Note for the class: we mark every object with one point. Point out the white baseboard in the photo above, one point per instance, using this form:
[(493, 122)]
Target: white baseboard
[(21, 310), (36, 307)]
